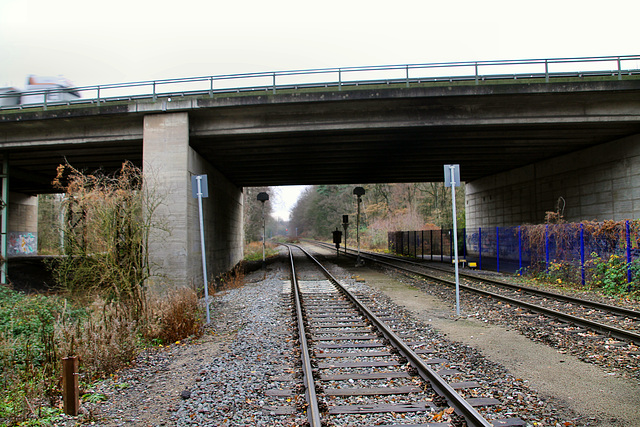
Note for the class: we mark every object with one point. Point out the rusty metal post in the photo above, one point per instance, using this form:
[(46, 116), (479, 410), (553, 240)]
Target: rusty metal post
[(70, 388)]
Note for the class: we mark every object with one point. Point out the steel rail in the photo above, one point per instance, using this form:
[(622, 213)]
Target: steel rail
[(461, 406), (579, 321), (313, 410), (621, 311)]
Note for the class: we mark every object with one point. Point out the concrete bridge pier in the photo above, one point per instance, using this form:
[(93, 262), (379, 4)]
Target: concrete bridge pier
[(168, 163), (22, 225)]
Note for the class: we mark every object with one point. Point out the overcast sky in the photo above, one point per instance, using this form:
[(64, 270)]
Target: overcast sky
[(92, 42)]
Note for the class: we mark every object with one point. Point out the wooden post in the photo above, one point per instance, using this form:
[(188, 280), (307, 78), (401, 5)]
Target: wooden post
[(70, 386)]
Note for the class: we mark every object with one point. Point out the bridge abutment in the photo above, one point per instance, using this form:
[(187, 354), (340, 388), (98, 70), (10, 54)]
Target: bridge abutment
[(598, 183), (169, 163)]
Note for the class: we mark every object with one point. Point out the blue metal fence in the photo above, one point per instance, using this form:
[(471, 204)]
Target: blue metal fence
[(564, 249)]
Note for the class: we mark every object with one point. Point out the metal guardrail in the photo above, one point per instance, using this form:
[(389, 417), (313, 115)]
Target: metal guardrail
[(473, 72)]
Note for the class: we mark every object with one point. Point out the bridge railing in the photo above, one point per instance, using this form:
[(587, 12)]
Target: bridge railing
[(469, 72)]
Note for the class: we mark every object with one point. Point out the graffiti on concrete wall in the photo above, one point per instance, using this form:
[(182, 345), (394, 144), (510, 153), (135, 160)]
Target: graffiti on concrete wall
[(22, 243)]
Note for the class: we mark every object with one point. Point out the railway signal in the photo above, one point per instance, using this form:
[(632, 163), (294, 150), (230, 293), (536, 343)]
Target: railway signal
[(263, 197), (358, 191), (345, 225), (337, 239)]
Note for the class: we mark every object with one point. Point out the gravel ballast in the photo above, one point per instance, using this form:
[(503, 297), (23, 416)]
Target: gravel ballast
[(228, 377)]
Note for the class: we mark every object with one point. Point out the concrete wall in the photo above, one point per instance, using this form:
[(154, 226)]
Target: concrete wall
[(223, 222), (22, 225), (169, 163), (598, 183)]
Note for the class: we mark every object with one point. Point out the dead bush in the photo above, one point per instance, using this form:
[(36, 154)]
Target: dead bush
[(230, 280), (176, 316)]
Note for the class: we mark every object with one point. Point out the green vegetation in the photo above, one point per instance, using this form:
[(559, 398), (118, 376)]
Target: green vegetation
[(253, 251), (605, 268), (610, 275), (103, 312), (37, 331), (385, 207)]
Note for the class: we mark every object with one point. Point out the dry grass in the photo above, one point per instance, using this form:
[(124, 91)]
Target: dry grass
[(104, 335), (104, 341), (253, 251), (230, 280), (177, 316)]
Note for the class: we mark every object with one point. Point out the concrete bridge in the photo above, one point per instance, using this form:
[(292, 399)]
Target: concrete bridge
[(521, 143)]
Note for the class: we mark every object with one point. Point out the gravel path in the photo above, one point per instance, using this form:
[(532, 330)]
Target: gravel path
[(222, 379)]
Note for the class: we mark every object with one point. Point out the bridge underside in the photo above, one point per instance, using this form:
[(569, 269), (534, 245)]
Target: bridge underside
[(396, 155), (499, 135), (358, 136)]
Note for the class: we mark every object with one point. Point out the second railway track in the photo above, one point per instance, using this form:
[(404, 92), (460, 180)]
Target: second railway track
[(608, 320), (359, 371)]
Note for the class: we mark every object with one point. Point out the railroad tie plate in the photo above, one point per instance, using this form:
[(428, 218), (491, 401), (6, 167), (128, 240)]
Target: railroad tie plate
[(280, 410), (371, 391), (464, 385), (327, 325), (448, 372), (413, 425), (363, 364), (509, 422), (285, 392), (483, 401), (351, 345), (355, 354), (370, 376), (385, 407), (347, 338)]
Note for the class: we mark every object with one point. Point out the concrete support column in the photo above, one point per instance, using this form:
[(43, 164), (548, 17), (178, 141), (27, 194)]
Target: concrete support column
[(223, 222), (169, 163), (22, 225), (166, 158)]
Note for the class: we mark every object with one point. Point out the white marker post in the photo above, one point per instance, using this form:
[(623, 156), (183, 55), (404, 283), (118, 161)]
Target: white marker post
[(263, 197), (200, 189), (452, 179)]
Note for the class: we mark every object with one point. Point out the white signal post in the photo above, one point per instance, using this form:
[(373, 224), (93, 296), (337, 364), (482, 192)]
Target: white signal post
[(199, 182), (263, 197), (452, 179), (359, 192)]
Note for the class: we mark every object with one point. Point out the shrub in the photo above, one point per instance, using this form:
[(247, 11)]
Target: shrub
[(230, 280), (610, 274), (28, 356), (177, 316), (107, 226), (37, 331)]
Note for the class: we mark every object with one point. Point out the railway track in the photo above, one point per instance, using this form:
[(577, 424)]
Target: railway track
[(357, 370), (608, 320)]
